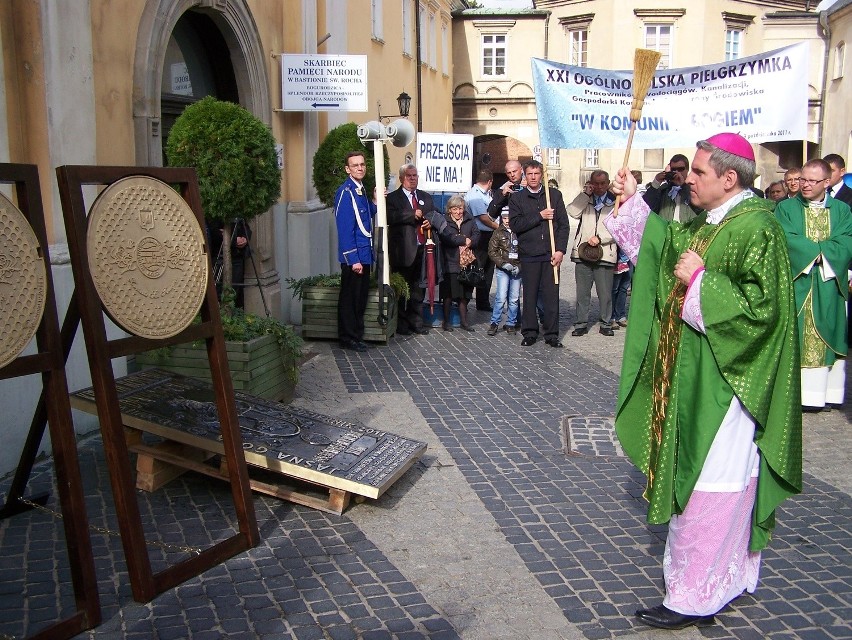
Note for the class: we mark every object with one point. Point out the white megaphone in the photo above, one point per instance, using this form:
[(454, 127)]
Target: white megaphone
[(400, 132), (371, 130)]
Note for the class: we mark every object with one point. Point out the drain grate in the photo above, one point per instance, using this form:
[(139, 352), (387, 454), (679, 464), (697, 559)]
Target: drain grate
[(590, 436)]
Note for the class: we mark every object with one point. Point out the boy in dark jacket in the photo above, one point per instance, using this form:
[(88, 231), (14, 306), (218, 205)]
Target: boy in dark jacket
[(503, 251)]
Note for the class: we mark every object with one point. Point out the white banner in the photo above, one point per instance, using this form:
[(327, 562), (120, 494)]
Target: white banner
[(763, 98), (444, 161), (311, 82)]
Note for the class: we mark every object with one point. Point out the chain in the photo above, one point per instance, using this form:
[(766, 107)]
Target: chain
[(109, 532)]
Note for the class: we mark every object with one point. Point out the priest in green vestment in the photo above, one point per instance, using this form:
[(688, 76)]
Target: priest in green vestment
[(709, 395), (819, 236)]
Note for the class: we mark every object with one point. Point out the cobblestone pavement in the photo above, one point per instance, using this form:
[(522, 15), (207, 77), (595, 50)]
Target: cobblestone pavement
[(522, 520)]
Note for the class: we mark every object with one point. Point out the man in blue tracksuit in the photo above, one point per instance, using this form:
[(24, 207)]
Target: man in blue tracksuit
[(353, 212)]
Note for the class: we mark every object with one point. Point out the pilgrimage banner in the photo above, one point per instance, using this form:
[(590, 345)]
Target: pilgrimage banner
[(764, 98)]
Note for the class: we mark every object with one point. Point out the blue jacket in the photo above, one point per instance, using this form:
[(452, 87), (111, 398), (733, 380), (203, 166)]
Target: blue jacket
[(354, 215)]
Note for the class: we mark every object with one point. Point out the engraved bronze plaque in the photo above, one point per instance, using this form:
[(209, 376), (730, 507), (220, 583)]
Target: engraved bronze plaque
[(296, 442), (146, 257), (23, 282)]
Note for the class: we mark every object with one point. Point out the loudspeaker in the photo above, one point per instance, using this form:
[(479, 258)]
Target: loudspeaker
[(400, 132), (372, 130)]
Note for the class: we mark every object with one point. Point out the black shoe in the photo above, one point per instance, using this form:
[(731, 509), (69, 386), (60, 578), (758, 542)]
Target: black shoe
[(467, 327), (446, 327), (664, 618), (528, 342), (580, 331), (554, 342), (422, 331), (363, 345), (511, 329), (492, 330), (607, 331), (403, 332), (484, 307), (353, 346)]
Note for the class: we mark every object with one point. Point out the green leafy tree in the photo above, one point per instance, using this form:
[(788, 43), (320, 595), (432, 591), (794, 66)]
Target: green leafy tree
[(233, 153), (330, 157)]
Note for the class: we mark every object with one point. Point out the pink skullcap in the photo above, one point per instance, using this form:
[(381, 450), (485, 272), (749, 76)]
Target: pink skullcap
[(733, 143)]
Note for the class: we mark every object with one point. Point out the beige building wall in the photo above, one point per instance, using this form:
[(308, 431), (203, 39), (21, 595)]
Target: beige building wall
[(615, 28), (837, 128), (80, 83)]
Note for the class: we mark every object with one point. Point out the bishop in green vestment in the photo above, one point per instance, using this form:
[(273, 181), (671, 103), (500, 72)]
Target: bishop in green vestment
[(710, 375), (819, 237)]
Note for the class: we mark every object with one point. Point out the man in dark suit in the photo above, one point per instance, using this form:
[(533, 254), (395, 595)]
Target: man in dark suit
[(836, 189), (409, 211)]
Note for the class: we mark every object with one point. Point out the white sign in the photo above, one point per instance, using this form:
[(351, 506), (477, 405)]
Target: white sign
[(323, 83), (181, 84), (763, 98), (444, 161)]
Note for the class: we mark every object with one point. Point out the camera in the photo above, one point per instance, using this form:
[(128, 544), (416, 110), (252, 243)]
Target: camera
[(670, 176)]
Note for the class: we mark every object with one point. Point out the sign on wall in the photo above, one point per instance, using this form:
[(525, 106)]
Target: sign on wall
[(444, 161), (323, 82), (764, 98)]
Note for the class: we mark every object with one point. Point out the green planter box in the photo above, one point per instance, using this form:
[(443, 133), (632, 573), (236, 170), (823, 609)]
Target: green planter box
[(319, 315), (258, 367)]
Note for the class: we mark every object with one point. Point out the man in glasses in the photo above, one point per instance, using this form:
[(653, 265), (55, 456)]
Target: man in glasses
[(791, 181), (708, 404), (669, 195), (819, 236)]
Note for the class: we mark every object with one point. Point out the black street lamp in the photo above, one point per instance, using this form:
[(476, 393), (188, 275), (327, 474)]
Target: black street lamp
[(403, 101)]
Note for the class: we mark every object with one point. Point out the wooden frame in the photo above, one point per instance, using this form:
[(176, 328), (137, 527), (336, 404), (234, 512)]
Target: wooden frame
[(53, 409), (145, 584)]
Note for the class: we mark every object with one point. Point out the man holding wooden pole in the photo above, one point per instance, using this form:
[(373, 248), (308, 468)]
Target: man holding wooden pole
[(541, 223), (709, 397)]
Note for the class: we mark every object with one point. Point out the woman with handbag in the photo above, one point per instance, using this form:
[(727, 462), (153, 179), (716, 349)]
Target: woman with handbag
[(460, 265)]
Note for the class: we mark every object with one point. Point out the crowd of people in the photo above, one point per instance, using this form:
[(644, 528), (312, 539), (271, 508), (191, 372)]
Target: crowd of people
[(521, 231)]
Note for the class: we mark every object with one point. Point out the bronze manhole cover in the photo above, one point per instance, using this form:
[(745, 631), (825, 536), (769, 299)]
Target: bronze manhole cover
[(23, 282), (146, 256)]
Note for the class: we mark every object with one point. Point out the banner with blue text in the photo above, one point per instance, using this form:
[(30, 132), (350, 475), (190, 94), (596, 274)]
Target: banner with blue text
[(764, 98)]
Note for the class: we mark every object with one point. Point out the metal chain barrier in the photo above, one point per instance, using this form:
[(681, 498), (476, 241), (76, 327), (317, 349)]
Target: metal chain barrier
[(115, 534)]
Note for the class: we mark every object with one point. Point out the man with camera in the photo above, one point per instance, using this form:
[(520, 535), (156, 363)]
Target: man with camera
[(594, 253), (668, 194)]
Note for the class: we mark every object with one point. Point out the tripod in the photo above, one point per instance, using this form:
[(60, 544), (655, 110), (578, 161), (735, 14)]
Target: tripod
[(219, 266)]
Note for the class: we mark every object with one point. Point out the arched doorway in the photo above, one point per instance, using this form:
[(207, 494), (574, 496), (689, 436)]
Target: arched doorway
[(492, 151), (196, 64)]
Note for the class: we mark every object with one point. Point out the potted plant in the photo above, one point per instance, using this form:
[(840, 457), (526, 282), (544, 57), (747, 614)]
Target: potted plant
[(233, 153), (263, 355), (319, 295)]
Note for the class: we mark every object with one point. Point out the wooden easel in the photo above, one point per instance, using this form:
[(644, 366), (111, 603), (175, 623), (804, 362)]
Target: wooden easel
[(53, 409), (145, 584)]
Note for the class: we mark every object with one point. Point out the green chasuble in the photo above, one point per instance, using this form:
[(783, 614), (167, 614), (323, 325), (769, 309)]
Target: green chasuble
[(821, 305), (688, 378)]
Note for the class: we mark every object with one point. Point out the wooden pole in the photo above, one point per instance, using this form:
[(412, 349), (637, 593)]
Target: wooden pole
[(549, 222)]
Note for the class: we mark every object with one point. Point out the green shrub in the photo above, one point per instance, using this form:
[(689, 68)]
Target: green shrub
[(330, 157)]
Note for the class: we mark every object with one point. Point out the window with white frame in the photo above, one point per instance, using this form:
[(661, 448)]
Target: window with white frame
[(445, 48), (433, 42), (407, 28), (733, 44), (578, 44), (553, 157), (422, 34), (839, 60), (591, 158), (659, 38), (376, 18), (494, 54)]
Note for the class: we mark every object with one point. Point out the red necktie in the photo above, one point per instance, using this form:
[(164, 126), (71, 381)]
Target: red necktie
[(421, 239)]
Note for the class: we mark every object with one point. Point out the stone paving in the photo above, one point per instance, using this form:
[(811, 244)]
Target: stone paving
[(523, 519)]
